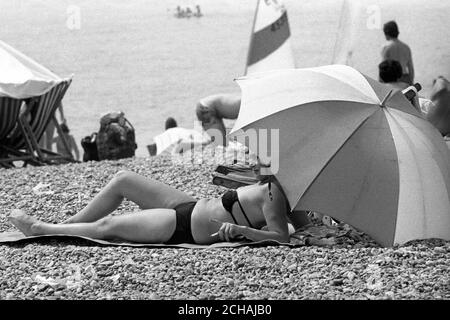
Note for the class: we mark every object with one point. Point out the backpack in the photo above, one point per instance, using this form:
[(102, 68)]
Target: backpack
[(89, 144), (116, 138)]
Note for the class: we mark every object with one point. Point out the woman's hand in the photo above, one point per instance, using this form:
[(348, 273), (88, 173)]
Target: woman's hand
[(228, 231)]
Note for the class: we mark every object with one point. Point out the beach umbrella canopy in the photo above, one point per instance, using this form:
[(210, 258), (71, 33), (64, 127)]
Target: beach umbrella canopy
[(21, 77), (351, 148)]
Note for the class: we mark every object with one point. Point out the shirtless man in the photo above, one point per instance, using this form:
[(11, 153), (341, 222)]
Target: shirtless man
[(211, 111), (394, 49)]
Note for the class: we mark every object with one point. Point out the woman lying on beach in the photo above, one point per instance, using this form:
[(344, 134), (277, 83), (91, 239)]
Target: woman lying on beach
[(256, 212)]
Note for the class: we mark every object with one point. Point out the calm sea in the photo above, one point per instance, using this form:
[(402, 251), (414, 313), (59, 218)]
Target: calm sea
[(137, 57)]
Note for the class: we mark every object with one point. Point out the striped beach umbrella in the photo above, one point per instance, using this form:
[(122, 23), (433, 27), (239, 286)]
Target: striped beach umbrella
[(351, 148), (270, 46)]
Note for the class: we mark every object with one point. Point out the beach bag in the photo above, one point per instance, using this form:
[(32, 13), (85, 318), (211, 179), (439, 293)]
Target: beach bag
[(89, 144), (116, 137)]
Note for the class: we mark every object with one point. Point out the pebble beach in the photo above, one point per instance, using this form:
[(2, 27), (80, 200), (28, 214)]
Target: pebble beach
[(354, 267)]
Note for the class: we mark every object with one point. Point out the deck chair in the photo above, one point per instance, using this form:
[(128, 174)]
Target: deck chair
[(34, 116), (9, 115)]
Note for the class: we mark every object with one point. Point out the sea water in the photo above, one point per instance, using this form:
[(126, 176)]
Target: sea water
[(136, 56)]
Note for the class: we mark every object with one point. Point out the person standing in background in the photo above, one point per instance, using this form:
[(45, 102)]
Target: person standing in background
[(394, 49)]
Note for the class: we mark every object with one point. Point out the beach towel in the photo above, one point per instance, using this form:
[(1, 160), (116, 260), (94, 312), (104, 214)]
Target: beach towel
[(318, 235), (18, 237)]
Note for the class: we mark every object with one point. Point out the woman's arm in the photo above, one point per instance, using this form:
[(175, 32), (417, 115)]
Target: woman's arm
[(258, 235), (230, 231), (276, 220)]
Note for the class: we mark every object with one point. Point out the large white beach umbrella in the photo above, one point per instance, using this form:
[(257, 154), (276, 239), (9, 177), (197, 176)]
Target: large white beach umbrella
[(21, 77), (351, 148)]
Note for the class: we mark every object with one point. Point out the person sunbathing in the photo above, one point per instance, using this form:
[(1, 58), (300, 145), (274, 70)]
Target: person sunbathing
[(439, 112), (171, 216), (211, 111)]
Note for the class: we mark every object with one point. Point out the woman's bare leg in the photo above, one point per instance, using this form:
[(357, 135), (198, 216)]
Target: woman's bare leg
[(146, 193), (148, 226)]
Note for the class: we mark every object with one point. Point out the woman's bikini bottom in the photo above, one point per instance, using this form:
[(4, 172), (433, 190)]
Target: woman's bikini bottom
[(183, 232)]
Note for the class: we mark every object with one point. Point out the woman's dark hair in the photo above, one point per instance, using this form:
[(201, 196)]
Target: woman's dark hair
[(390, 29), (390, 71), (170, 123)]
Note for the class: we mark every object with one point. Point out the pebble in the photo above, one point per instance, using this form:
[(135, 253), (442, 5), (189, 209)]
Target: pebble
[(351, 275), (440, 250), (230, 282), (337, 282)]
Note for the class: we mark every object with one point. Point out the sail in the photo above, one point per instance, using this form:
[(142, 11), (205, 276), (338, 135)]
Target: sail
[(270, 46), (360, 36), (345, 40)]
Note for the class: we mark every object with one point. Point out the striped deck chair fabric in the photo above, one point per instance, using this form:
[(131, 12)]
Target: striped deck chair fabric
[(9, 113), (22, 142), (42, 113), (9, 116)]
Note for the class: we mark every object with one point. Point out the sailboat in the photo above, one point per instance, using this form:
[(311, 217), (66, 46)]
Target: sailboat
[(270, 49), (360, 36), (270, 40)]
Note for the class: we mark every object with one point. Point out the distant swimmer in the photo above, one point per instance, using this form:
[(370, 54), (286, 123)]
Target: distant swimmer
[(394, 49), (198, 14), (211, 111), (188, 12), (180, 12)]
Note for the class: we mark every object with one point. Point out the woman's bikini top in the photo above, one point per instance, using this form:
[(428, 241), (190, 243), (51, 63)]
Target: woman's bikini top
[(228, 200)]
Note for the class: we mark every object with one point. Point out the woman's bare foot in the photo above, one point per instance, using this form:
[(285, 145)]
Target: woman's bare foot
[(23, 222)]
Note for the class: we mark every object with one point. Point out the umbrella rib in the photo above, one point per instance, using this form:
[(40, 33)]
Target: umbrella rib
[(337, 151), (409, 141), (385, 98)]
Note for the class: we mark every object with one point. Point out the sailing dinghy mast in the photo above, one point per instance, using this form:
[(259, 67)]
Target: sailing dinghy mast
[(252, 34)]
